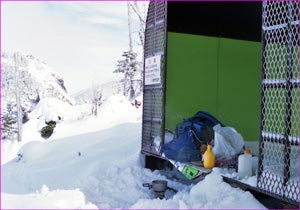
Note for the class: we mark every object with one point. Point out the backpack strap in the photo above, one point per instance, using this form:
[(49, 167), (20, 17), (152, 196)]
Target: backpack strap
[(207, 118)]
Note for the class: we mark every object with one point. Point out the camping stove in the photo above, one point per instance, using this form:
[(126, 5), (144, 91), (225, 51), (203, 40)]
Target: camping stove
[(159, 188), (160, 195)]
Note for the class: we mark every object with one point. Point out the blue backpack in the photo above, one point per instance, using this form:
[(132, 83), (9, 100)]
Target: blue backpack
[(190, 134), (201, 120)]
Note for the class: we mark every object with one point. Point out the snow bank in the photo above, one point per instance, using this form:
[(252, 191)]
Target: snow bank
[(9, 150), (75, 120), (60, 164), (46, 199), (95, 162), (123, 188), (210, 193)]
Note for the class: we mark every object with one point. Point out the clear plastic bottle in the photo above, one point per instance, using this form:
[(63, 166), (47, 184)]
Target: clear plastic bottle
[(245, 164), (209, 158)]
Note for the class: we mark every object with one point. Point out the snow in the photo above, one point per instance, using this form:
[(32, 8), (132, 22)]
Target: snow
[(46, 199), (210, 193), (95, 162), (34, 79), (107, 89)]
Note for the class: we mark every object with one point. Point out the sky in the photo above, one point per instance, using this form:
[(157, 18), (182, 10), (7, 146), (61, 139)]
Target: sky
[(82, 41)]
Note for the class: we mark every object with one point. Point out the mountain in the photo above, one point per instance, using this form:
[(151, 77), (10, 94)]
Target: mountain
[(107, 89), (34, 80)]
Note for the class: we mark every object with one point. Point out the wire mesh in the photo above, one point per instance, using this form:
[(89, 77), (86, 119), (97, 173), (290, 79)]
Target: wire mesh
[(278, 173), (153, 106)]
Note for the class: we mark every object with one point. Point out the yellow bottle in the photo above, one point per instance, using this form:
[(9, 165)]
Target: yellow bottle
[(209, 158)]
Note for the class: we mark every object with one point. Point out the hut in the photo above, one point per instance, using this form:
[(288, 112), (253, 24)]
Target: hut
[(240, 62)]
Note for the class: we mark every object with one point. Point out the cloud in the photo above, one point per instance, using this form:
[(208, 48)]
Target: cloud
[(80, 40), (97, 12), (105, 21)]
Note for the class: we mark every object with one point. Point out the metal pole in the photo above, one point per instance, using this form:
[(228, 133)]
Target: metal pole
[(289, 97), (263, 91)]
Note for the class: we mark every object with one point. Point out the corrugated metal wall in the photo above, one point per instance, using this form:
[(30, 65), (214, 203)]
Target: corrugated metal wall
[(154, 94)]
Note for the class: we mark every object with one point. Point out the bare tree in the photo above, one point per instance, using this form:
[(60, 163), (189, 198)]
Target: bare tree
[(140, 10), (141, 13), (129, 27), (18, 101), (96, 99)]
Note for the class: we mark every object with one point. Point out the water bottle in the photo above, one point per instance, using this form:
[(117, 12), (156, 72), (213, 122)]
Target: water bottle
[(245, 164), (209, 158)]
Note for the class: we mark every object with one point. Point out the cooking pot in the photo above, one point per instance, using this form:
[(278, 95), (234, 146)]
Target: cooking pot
[(157, 185)]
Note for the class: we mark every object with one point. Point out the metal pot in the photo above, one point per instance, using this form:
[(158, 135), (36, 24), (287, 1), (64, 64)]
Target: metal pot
[(157, 185)]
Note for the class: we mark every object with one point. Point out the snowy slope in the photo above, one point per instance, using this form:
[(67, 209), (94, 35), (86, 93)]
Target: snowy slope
[(30, 80), (34, 79), (95, 162), (107, 89)]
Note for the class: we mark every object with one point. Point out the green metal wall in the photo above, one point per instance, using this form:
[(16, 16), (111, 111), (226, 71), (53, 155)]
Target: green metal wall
[(218, 75)]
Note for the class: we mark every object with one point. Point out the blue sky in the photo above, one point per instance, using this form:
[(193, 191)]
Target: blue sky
[(82, 41)]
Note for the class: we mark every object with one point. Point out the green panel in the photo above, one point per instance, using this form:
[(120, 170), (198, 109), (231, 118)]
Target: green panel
[(221, 76), (191, 76), (239, 86)]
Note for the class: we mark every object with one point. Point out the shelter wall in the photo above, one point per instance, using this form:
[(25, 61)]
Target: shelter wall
[(218, 75)]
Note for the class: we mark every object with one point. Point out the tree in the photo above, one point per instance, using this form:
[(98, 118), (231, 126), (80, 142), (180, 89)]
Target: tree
[(142, 16), (128, 66), (140, 10), (129, 27), (18, 100), (96, 99), (47, 131), (9, 121)]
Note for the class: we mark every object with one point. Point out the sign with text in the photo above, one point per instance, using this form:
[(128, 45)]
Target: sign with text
[(152, 70)]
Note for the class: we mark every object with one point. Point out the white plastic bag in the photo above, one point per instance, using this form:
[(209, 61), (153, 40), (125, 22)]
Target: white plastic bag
[(222, 149), (169, 136), (227, 143), (157, 144)]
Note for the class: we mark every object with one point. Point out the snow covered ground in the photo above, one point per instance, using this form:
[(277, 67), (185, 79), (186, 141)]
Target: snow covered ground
[(91, 163)]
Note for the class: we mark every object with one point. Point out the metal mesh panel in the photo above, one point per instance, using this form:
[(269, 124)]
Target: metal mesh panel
[(153, 104), (278, 172), (154, 94)]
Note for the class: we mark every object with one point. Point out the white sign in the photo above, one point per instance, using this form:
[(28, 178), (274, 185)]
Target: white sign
[(152, 70)]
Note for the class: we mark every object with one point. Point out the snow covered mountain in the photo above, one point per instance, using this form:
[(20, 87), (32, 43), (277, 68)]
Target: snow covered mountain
[(34, 79), (107, 89), (31, 80)]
